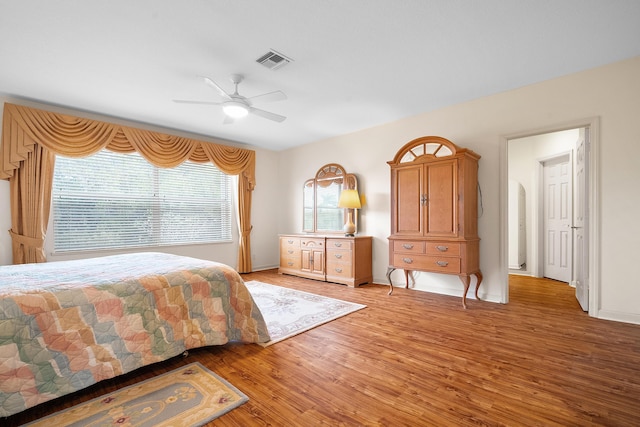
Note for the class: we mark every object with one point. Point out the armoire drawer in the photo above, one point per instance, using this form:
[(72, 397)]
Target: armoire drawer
[(443, 248), (449, 265), (409, 246)]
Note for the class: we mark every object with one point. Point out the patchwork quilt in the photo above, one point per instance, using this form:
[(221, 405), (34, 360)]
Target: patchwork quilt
[(66, 325)]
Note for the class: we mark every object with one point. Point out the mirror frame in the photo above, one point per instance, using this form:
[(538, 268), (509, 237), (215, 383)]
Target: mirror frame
[(327, 175)]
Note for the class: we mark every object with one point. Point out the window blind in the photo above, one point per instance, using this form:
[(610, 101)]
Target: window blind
[(111, 200)]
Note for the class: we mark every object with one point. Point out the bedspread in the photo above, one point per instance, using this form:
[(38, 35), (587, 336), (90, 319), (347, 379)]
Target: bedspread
[(66, 325)]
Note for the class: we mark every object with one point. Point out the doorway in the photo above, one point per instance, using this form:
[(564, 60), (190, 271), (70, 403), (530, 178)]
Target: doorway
[(537, 162)]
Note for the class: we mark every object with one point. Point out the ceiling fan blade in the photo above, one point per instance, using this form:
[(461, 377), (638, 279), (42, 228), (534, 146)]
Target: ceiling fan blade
[(187, 101), (267, 115), (218, 89), (269, 97)]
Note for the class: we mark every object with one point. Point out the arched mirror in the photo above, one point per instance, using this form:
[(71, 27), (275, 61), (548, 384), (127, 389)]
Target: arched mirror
[(320, 200)]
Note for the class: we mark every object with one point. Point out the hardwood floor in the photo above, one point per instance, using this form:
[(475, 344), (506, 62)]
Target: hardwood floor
[(419, 359)]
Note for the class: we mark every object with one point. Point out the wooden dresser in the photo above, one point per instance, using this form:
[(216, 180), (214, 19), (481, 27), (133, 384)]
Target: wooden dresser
[(434, 211), (338, 259)]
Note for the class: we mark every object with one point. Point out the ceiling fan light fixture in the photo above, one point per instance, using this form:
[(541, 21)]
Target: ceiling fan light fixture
[(235, 109)]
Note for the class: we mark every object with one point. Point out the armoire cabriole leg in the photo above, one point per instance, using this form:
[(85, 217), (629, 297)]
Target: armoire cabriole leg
[(389, 271), (466, 280), (406, 278), (479, 276)]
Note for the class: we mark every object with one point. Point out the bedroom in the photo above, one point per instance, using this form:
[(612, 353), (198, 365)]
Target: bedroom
[(608, 91)]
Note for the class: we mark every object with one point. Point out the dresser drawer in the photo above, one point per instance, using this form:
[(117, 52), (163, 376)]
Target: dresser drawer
[(339, 256), (443, 248), (409, 246), (339, 244), (289, 242), (436, 264), (339, 269), (289, 253), (311, 243), (290, 262)]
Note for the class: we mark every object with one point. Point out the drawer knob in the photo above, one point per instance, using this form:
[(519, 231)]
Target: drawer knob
[(339, 256), (338, 244), (290, 251), (442, 263), (442, 248), (338, 270), (290, 241), (407, 246), (290, 264), (407, 260)]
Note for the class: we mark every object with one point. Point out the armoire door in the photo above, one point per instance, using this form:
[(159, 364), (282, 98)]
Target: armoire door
[(441, 199), (408, 218)]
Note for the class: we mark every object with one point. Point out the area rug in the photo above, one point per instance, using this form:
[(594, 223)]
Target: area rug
[(188, 396), (289, 312)]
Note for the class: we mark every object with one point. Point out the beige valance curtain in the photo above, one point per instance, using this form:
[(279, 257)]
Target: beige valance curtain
[(31, 138)]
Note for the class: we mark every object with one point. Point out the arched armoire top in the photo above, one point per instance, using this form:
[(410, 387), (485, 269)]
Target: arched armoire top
[(428, 148)]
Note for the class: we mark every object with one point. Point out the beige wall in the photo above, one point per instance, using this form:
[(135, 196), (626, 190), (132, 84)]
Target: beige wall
[(610, 93)]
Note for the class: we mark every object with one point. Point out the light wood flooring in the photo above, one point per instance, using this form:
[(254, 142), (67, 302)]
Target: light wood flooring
[(419, 359)]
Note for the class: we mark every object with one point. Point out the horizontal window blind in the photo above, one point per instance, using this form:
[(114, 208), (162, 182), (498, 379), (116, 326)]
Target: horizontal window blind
[(111, 200)]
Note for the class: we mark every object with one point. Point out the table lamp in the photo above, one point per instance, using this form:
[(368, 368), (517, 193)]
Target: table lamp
[(350, 200)]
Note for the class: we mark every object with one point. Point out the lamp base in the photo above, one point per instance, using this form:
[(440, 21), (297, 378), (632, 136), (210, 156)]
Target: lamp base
[(349, 227)]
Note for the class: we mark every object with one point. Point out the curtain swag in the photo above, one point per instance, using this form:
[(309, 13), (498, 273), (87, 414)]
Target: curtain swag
[(31, 138)]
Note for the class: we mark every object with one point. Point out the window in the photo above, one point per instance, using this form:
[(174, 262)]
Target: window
[(111, 200)]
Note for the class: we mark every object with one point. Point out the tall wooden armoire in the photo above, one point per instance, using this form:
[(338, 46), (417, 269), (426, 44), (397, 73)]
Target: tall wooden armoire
[(434, 211)]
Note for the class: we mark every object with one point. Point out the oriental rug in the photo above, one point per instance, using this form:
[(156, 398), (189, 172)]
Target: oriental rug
[(188, 396), (289, 312)]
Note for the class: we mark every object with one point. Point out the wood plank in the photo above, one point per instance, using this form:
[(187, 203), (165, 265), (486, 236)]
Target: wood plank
[(417, 358)]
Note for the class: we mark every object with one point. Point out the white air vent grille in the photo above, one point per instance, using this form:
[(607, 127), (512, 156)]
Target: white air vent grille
[(273, 60)]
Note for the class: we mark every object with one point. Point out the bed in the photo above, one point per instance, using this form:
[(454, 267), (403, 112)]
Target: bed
[(66, 325)]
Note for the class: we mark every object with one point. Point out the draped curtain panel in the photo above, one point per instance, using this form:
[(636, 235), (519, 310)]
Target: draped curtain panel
[(31, 138)]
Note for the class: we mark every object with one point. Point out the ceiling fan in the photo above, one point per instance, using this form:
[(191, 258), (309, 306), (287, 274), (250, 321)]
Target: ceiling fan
[(236, 106)]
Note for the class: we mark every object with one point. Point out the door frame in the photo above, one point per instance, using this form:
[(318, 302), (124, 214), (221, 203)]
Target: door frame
[(593, 188)]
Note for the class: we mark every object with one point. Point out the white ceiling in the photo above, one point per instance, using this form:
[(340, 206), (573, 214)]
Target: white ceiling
[(356, 63)]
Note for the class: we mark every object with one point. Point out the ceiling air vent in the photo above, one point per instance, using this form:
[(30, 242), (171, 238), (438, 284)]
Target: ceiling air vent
[(273, 60)]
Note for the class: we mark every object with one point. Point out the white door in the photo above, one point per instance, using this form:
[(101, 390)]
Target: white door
[(558, 200), (580, 221)]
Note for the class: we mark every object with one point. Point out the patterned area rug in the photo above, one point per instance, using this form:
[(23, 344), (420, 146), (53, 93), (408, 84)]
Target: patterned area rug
[(188, 396), (289, 312)]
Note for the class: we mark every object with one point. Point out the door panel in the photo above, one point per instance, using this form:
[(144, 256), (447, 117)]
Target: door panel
[(557, 219), (441, 199), (581, 255), (408, 190)]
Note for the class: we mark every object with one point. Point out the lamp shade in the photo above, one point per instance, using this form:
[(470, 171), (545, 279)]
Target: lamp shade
[(349, 199)]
